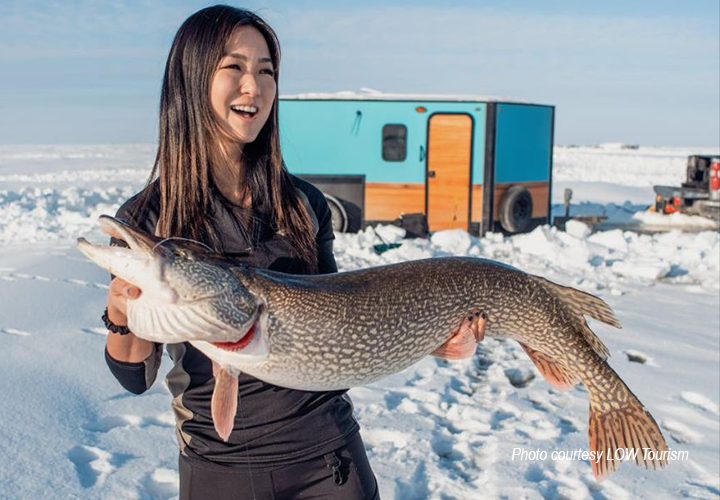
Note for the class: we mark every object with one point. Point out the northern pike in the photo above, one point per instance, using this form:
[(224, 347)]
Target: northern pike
[(337, 331)]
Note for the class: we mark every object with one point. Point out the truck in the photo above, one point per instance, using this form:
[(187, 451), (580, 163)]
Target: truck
[(460, 162), (698, 195)]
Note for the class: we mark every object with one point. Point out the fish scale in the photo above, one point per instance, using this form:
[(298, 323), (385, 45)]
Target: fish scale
[(336, 331)]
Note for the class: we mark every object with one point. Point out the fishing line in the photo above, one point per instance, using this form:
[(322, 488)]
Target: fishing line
[(183, 239)]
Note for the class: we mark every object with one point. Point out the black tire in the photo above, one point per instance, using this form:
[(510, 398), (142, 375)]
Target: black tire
[(516, 209), (339, 215)]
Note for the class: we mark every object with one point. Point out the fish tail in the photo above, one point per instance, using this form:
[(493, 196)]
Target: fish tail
[(622, 429)]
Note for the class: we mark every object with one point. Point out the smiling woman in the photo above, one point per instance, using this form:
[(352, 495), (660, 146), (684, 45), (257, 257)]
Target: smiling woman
[(219, 179), (243, 87)]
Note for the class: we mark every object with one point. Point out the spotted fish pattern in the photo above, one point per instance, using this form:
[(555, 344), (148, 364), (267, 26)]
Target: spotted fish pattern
[(339, 331)]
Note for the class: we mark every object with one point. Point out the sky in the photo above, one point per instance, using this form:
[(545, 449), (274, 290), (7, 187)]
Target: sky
[(639, 72)]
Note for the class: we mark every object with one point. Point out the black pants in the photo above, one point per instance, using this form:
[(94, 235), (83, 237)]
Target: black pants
[(344, 474)]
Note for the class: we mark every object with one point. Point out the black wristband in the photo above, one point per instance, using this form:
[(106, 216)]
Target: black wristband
[(112, 327)]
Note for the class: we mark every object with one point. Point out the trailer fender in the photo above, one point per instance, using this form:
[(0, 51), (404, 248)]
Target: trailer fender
[(339, 215)]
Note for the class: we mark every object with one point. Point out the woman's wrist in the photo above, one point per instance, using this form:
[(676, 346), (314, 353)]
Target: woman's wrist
[(112, 324), (116, 315), (129, 348)]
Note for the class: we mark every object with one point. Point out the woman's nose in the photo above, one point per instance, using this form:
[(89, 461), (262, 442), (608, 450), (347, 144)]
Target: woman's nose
[(249, 85)]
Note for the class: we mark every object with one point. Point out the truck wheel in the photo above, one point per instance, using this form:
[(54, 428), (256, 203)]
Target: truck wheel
[(516, 209), (339, 215)]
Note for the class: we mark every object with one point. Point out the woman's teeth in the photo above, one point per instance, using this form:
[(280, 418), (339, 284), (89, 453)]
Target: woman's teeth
[(245, 110)]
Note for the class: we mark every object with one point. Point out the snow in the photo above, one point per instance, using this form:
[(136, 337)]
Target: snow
[(440, 430)]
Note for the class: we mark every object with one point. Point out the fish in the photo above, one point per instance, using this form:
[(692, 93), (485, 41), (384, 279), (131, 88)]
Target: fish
[(337, 331)]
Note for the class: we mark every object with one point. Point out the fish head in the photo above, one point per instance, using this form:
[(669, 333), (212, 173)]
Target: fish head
[(189, 293)]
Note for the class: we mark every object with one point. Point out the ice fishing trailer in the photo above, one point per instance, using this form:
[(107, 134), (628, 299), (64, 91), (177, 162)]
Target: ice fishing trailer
[(472, 163), (698, 195)]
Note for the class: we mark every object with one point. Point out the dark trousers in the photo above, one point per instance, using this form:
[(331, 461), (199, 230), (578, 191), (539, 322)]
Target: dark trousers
[(344, 474)]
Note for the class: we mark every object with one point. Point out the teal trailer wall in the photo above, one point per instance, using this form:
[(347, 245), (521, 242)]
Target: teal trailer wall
[(330, 137), (523, 143)]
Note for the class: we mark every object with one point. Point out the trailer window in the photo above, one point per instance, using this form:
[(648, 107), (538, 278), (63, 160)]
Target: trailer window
[(394, 142)]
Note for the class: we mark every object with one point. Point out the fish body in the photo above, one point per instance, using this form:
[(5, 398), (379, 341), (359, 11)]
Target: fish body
[(330, 332)]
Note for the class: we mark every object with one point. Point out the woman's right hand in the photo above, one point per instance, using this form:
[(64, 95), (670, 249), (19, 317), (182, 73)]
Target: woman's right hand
[(120, 292), (127, 348)]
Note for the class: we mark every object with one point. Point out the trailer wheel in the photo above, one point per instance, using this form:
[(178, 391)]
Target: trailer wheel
[(339, 215), (516, 209)]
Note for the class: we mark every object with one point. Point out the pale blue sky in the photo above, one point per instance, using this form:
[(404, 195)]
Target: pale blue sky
[(646, 72)]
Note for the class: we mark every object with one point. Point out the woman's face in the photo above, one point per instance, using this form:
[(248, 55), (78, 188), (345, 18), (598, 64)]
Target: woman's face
[(243, 87)]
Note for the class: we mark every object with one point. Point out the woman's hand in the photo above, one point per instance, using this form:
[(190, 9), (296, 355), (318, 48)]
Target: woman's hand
[(120, 292), (128, 348), (464, 340)]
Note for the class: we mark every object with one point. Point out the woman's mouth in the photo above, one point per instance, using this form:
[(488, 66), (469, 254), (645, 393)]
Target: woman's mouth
[(246, 112)]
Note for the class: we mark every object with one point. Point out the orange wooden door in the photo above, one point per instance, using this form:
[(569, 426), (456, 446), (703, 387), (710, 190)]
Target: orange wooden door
[(448, 175)]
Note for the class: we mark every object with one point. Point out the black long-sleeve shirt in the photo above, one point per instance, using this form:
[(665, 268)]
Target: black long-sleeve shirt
[(273, 425)]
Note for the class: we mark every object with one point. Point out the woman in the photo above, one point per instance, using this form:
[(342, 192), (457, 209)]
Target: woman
[(220, 179)]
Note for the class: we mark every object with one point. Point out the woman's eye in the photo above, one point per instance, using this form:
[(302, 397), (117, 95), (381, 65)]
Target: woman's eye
[(268, 71), (233, 66)]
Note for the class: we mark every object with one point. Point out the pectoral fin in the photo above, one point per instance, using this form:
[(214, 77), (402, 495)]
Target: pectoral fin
[(224, 403)]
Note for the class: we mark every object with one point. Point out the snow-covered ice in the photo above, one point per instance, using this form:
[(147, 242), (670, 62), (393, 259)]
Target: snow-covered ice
[(440, 430)]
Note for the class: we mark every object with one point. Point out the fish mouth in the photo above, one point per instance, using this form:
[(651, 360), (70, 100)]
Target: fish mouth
[(145, 253), (144, 244), (141, 246), (143, 258)]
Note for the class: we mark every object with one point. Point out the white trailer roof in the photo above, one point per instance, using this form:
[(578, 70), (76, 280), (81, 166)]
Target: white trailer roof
[(374, 95)]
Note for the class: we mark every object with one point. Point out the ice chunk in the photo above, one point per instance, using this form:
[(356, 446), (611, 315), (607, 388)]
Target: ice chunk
[(611, 239), (650, 269), (578, 229), (391, 234), (519, 377), (455, 241)]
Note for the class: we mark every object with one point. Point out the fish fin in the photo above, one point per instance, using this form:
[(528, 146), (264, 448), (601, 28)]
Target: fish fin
[(224, 402), (581, 303), (556, 374), (464, 340), (628, 426), (597, 345)]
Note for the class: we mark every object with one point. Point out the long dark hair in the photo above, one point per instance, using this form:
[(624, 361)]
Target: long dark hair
[(188, 143)]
